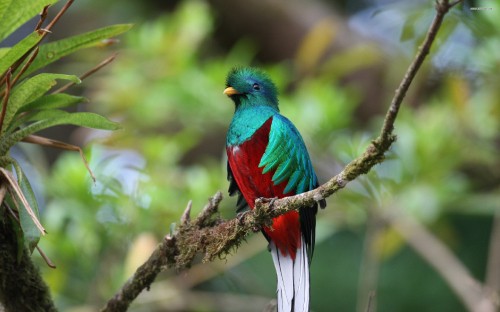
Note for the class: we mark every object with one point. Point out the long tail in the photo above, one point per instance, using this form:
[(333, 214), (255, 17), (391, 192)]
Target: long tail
[(293, 279)]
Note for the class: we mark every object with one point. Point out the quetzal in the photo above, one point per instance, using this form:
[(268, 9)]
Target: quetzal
[(268, 158)]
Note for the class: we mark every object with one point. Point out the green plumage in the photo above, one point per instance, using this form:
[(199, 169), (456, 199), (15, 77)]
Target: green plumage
[(287, 154)]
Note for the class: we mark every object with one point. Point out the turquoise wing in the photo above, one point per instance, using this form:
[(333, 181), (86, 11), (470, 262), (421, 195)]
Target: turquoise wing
[(286, 153)]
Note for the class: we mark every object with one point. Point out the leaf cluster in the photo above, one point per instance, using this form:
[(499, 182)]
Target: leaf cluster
[(30, 103)]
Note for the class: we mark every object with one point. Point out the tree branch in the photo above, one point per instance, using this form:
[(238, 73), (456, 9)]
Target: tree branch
[(21, 285), (215, 238)]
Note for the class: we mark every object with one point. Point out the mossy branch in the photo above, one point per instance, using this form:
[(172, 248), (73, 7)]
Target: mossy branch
[(215, 238), (21, 285)]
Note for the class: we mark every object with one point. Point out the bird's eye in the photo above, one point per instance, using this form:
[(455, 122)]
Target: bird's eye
[(256, 87)]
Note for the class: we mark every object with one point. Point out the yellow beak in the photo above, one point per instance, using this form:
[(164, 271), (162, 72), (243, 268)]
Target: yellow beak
[(230, 91)]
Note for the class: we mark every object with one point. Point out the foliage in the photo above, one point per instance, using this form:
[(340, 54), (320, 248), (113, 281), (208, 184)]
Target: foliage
[(28, 107)]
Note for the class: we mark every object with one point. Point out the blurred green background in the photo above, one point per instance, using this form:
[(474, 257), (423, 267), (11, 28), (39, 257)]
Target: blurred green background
[(337, 64)]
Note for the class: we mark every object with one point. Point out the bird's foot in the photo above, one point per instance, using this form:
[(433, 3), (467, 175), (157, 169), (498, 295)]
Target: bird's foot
[(269, 201), (241, 215), (262, 213)]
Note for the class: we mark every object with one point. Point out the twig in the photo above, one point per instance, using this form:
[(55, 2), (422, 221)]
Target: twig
[(216, 239), (5, 99), (47, 260), (88, 73), (186, 216), (442, 7), (43, 17), (12, 213), (42, 141), (56, 18), (207, 212), (26, 65)]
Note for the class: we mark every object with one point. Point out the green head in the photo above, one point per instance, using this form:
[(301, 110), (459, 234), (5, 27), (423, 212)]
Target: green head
[(248, 86)]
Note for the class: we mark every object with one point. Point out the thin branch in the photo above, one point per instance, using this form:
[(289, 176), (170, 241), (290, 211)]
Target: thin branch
[(26, 65), (5, 99), (47, 260), (186, 216), (88, 73), (216, 238), (43, 17), (56, 18), (42, 141), (205, 216), (442, 7), (12, 212)]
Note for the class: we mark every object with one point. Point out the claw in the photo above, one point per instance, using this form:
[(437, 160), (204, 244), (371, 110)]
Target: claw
[(269, 201), (241, 215)]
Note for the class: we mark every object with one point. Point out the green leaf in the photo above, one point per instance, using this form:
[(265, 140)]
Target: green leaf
[(23, 198), (3, 51), (52, 101), (19, 233), (57, 118), (53, 51), (47, 114), (14, 13), (30, 90), (84, 119), (17, 51), (31, 232), (16, 226)]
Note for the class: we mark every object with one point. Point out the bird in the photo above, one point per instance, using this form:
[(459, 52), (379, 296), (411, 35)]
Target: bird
[(267, 158)]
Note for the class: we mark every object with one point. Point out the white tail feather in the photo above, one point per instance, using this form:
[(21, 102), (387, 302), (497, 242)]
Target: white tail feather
[(293, 280)]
